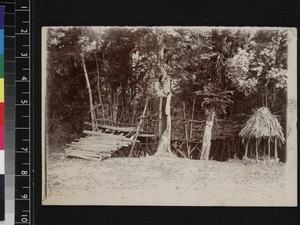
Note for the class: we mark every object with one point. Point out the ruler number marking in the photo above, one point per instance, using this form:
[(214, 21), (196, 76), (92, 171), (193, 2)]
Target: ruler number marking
[(24, 172), (25, 149), (25, 196), (24, 31)]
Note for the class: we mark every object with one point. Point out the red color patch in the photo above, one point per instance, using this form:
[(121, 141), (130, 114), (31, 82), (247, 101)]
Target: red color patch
[(1, 114)]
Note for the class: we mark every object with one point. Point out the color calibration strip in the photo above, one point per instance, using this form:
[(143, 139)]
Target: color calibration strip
[(2, 138)]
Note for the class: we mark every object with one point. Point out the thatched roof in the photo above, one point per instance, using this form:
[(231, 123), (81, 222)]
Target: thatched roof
[(262, 124)]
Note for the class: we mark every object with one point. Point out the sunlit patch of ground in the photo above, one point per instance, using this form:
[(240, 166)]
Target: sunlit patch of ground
[(164, 181)]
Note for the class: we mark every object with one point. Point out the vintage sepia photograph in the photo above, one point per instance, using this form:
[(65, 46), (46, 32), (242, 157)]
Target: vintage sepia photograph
[(169, 116)]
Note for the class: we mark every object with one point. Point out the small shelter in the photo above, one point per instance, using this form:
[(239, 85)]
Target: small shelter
[(262, 125)]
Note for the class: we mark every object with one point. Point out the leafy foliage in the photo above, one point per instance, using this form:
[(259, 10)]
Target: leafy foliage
[(229, 70)]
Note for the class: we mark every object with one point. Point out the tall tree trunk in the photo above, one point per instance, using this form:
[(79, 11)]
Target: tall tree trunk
[(90, 94), (164, 145), (207, 135), (164, 92), (98, 86), (114, 107)]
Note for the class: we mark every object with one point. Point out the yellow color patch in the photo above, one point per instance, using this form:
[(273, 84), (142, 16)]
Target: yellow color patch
[(1, 90)]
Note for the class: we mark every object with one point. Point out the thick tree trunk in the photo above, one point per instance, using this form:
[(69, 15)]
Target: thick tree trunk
[(90, 95), (207, 135), (164, 145), (163, 87)]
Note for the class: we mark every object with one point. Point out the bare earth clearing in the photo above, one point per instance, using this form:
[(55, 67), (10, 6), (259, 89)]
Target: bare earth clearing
[(164, 181)]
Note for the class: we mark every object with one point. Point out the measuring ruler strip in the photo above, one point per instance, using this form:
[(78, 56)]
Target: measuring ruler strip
[(2, 137), (9, 108), (22, 108)]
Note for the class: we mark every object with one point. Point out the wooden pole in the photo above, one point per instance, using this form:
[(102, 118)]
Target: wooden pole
[(90, 94), (265, 147), (275, 148), (98, 85), (138, 129), (191, 132), (256, 148), (246, 149), (186, 131), (269, 149)]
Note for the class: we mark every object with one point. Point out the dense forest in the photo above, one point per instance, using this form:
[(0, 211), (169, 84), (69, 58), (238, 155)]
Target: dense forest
[(215, 73)]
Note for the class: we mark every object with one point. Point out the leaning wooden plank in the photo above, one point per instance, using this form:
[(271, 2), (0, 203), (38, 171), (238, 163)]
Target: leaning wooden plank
[(99, 144), (89, 144), (147, 135), (120, 129), (84, 154), (108, 136), (92, 149), (107, 139), (119, 124), (95, 150), (89, 154), (102, 140)]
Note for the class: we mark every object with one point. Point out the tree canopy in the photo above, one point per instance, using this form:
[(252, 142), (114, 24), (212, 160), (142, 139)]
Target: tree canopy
[(232, 71)]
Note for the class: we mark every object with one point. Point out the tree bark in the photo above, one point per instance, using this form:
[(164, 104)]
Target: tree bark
[(164, 92), (164, 145), (94, 127), (207, 135), (98, 86)]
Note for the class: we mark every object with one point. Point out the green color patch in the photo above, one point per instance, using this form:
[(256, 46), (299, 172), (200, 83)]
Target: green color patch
[(1, 66)]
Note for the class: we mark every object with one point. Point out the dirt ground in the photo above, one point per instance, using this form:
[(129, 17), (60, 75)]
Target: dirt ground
[(165, 181)]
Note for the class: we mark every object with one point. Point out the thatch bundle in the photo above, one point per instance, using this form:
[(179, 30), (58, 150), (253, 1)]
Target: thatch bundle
[(262, 124)]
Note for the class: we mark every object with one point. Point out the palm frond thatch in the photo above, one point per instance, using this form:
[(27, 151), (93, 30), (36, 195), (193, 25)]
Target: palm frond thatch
[(262, 124)]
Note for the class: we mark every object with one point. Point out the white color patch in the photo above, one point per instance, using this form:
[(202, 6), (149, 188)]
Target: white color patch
[(2, 162)]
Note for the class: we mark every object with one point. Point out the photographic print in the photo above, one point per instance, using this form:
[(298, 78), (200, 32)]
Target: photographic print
[(169, 116)]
